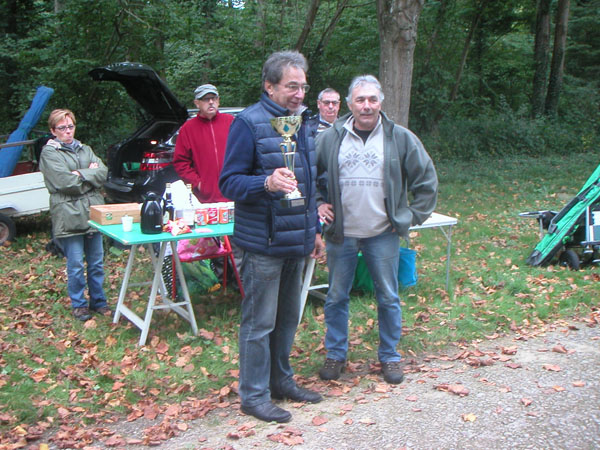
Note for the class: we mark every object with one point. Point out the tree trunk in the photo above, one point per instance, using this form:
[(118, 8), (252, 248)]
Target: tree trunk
[(558, 58), (540, 57), (308, 24), (398, 20), (465, 51), (440, 18), (328, 31), (259, 42)]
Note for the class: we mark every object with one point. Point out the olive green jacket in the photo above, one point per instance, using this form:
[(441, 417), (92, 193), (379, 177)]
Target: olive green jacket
[(71, 195)]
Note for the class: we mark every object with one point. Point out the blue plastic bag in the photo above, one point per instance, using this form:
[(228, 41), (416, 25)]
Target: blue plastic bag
[(407, 267)]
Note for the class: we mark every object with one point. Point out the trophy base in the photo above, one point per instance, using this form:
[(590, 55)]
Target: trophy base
[(293, 202)]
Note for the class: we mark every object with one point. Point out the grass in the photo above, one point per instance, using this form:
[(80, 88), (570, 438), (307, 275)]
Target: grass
[(55, 370)]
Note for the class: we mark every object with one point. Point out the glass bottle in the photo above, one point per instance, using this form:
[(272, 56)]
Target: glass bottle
[(169, 210)]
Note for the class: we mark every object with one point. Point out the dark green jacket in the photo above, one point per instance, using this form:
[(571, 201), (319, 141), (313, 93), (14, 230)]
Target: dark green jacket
[(407, 169), (72, 195)]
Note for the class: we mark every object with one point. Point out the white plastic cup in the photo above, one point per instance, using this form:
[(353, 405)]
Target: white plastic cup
[(127, 223)]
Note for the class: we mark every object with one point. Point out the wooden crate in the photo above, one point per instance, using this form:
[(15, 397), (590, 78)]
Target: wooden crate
[(111, 214)]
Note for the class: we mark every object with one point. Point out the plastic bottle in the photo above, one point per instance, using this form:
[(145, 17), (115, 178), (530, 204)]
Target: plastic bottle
[(189, 210)]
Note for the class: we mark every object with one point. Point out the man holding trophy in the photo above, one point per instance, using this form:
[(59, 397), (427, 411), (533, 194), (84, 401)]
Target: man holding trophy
[(270, 171)]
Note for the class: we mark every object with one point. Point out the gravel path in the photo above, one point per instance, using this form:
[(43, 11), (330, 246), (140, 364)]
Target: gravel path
[(524, 391), (540, 390)]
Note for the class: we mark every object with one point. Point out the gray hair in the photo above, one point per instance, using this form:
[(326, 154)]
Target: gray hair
[(364, 79), (326, 91), (274, 65)]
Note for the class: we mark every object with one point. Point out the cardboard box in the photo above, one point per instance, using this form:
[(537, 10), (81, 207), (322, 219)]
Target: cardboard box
[(111, 214)]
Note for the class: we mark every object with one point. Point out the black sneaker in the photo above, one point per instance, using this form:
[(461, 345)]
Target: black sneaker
[(332, 369), (82, 314), (393, 372)]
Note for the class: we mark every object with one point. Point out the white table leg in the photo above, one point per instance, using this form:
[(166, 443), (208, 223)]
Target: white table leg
[(125, 284), (189, 314), (448, 235), (308, 274), (156, 282)]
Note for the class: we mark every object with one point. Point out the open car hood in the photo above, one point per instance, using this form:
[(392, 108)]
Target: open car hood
[(144, 86)]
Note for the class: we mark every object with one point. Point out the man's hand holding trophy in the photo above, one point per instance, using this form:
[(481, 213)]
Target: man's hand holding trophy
[(288, 126)]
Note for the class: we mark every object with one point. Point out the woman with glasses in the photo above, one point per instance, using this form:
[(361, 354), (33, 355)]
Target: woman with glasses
[(74, 176)]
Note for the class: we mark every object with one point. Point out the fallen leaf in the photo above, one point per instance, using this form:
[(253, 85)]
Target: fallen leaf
[(552, 367), (470, 417), (319, 420), (579, 383), (412, 398), (526, 401), (90, 324), (209, 335), (457, 389), (39, 375), (513, 365)]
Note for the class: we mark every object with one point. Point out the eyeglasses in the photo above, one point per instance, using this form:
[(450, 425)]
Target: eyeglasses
[(208, 99), (65, 127), (293, 87), (330, 102)]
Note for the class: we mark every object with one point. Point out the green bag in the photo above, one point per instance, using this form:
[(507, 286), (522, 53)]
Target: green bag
[(199, 277), (407, 271)]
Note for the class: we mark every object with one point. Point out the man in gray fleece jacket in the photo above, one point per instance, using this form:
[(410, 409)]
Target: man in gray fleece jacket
[(372, 166)]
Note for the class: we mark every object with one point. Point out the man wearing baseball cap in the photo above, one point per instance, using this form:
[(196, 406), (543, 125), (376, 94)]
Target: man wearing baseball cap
[(200, 146)]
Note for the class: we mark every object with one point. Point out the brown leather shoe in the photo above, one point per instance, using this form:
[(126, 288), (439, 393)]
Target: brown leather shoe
[(103, 311), (393, 372), (332, 369), (82, 314)]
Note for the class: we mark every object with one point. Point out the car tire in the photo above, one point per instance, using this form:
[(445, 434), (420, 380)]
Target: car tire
[(7, 229)]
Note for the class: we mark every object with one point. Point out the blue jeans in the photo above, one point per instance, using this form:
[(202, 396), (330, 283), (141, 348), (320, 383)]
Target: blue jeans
[(381, 256), (75, 249), (270, 315)]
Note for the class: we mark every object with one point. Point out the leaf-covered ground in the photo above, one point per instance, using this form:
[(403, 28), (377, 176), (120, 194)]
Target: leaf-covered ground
[(71, 381)]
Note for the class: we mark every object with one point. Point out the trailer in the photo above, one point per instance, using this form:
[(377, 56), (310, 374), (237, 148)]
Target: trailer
[(21, 194)]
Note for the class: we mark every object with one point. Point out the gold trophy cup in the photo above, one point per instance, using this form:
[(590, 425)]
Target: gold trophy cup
[(288, 126)]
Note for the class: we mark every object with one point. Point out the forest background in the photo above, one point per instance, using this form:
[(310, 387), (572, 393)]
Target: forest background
[(480, 77)]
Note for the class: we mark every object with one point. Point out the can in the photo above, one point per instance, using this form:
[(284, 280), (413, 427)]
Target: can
[(231, 207), (223, 213), (202, 216), (213, 214)]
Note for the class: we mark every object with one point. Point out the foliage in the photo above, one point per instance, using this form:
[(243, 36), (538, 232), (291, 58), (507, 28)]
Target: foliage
[(226, 43), (58, 372), (501, 131)]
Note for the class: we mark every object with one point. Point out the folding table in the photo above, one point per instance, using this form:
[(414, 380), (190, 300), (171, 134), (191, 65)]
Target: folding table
[(135, 238), (436, 220)]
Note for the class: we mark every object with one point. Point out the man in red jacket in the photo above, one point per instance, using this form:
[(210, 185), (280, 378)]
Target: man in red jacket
[(200, 146), (199, 153)]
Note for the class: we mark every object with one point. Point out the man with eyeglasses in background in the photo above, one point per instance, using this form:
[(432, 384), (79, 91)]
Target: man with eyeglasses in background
[(328, 103), (276, 239), (200, 146)]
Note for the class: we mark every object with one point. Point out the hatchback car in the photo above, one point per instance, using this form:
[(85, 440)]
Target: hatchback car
[(143, 162)]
